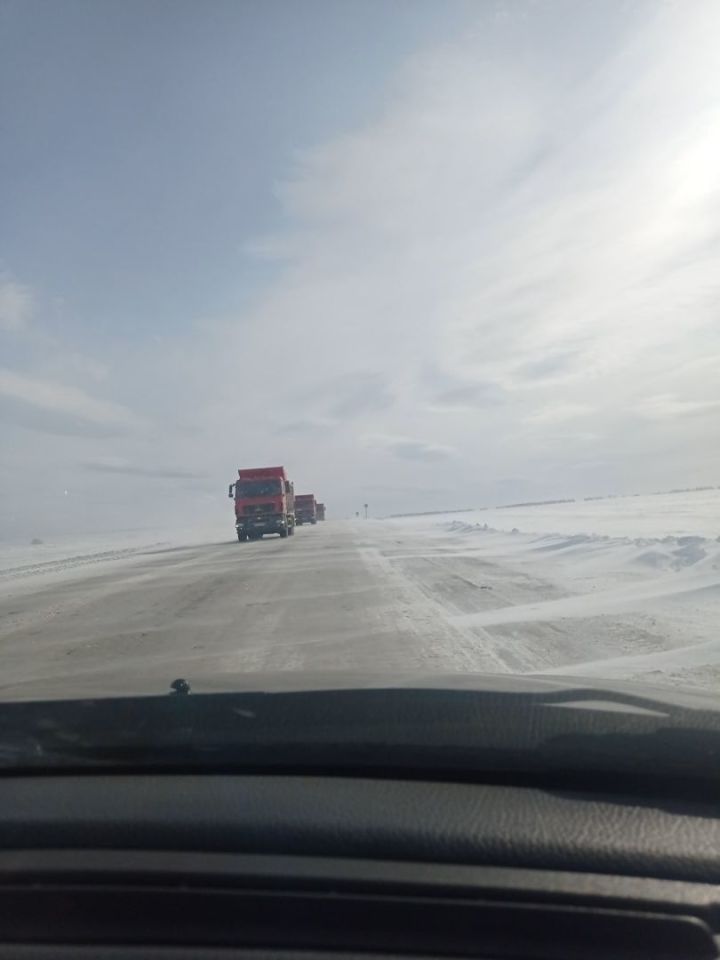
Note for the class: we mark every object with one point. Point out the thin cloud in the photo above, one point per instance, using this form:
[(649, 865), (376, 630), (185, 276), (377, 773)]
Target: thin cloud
[(446, 392), (348, 397), (16, 413), (407, 448), (549, 365), (559, 413), (417, 450), (128, 470), (470, 396), (16, 305), (362, 394), (668, 406), (61, 404), (303, 427), (386, 489)]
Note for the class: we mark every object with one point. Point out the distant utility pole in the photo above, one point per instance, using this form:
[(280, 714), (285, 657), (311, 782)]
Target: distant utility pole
[(366, 509)]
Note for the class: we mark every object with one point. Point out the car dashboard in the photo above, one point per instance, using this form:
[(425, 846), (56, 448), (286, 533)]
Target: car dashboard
[(305, 866)]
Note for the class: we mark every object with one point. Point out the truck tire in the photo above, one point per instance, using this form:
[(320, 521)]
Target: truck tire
[(283, 532), (242, 537)]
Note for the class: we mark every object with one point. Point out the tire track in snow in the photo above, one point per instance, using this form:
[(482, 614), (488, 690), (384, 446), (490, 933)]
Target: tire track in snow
[(453, 647)]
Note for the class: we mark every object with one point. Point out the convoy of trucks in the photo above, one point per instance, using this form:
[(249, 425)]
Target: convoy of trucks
[(265, 502)]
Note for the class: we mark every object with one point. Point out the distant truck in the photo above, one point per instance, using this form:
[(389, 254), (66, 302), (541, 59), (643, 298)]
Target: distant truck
[(264, 503), (320, 507), (305, 508)]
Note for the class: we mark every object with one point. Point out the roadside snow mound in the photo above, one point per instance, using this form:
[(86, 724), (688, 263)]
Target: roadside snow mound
[(677, 552), (655, 553), (626, 588)]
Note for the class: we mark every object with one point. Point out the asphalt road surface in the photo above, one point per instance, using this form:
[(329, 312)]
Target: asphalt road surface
[(327, 599), (357, 597)]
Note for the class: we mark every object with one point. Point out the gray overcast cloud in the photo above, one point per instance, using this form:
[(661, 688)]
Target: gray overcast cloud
[(501, 261)]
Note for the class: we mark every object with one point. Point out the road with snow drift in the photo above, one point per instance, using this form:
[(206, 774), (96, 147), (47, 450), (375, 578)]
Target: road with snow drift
[(431, 595)]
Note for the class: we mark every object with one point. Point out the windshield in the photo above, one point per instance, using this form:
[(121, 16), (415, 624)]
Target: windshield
[(258, 488), (452, 269)]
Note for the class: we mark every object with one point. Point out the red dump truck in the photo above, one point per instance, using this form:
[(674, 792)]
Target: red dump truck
[(264, 503), (305, 508), (320, 511)]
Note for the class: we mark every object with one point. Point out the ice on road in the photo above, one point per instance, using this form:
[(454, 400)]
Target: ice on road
[(563, 594)]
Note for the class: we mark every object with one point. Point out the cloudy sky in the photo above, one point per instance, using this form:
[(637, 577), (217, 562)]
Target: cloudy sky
[(425, 254)]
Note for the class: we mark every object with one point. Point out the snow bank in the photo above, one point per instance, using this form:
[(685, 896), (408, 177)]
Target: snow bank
[(62, 554), (625, 587), (638, 537), (654, 516)]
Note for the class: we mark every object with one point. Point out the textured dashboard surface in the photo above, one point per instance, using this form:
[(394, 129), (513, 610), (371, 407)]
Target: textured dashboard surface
[(380, 819)]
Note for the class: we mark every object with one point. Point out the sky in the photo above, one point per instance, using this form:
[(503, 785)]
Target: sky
[(427, 255)]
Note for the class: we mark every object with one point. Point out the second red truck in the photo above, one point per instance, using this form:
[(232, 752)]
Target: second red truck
[(305, 508)]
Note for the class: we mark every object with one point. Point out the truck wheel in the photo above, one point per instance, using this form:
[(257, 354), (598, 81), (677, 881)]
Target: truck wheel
[(242, 537), (283, 532)]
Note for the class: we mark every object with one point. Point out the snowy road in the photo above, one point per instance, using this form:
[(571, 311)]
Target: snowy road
[(327, 599), (375, 597)]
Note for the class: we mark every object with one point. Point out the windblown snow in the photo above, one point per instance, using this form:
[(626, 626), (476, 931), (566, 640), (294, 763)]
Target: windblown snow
[(625, 588)]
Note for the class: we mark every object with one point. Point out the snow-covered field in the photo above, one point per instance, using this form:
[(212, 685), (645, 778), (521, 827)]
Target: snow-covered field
[(61, 557), (644, 568), (691, 513)]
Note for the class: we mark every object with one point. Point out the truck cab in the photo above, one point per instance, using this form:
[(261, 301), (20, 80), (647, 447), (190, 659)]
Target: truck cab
[(264, 503), (305, 508)]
